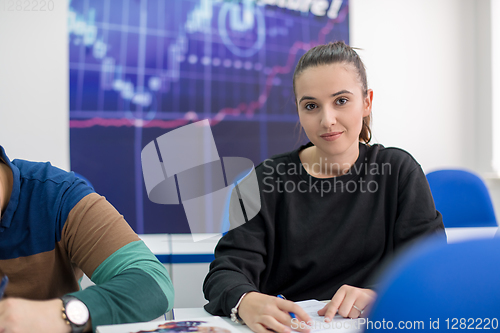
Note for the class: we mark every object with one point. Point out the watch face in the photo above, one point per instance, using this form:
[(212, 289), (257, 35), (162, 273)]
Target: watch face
[(77, 312)]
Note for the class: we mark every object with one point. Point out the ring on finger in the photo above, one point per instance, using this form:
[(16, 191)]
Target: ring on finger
[(360, 310)]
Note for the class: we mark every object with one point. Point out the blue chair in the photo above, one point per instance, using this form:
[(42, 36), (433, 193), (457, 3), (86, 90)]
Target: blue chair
[(435, 281), (462, 198)]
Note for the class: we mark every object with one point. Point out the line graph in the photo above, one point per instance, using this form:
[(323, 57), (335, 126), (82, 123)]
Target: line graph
[(247, 109), (140, 68)]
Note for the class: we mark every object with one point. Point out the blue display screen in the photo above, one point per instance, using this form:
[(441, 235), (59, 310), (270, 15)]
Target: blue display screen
[(141, 68)]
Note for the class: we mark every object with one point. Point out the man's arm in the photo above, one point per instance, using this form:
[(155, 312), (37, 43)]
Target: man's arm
[(131, 284)]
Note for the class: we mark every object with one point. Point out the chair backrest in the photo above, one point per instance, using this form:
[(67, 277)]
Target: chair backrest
[(437, 281), (462, 198)]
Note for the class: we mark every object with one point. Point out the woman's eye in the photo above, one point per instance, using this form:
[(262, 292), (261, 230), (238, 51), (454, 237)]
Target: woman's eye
[(310, 106), (341, 101)]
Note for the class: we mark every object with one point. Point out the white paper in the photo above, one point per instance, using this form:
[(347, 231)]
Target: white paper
[(338, 323)]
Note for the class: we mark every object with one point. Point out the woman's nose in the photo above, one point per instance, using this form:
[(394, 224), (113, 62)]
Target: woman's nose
[(328, 118)]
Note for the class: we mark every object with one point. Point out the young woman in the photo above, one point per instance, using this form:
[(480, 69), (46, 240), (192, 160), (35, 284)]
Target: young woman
[(331, 211)]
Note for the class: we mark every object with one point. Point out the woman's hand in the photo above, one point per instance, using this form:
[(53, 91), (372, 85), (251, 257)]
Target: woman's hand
[(262, 312), (349, 301), (25, 316)]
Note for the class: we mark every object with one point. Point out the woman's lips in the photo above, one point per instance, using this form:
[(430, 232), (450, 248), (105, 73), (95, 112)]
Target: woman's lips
[(331, 136)]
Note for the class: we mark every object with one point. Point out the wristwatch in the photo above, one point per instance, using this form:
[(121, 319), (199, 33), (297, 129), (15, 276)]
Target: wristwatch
[(75, 313)]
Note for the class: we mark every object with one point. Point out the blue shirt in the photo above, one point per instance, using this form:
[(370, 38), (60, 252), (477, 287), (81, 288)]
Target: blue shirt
[(41, 199)]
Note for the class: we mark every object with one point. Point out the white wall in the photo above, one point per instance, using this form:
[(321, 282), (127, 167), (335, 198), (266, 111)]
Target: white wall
[(429, 64), (34, 116), (495, 84), (420, 64), (427, 61)]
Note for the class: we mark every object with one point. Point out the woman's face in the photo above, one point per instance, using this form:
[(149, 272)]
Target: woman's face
[(331, 107)]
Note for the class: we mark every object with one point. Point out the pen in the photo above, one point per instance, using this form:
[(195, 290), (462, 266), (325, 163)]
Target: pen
[(290, 313), (3, 285)]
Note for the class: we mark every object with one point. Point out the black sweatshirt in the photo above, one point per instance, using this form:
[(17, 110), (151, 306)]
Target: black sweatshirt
[(313, 235)]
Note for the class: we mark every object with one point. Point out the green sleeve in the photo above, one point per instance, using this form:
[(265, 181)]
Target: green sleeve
[(131, 286)]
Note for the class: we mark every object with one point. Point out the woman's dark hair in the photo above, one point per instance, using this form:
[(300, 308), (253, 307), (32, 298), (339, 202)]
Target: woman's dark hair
[(333, 53)]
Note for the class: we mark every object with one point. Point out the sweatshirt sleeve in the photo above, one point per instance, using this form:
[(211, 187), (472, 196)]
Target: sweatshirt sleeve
[(131, 284), (239, 262), (416, 213), (234, 271)]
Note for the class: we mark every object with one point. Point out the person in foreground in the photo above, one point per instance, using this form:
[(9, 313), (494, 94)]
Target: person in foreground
[(331, 211), (54, 228)]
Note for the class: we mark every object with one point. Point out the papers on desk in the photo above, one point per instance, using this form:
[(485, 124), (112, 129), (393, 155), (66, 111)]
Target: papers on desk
[(338, 324), (198, 325), (311, 307)]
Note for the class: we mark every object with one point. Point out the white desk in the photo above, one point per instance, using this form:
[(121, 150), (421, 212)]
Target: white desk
[(462, 234), (193, 313)]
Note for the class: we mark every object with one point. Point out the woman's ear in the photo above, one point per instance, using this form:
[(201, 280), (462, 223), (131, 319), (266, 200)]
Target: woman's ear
[(368, 103)]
